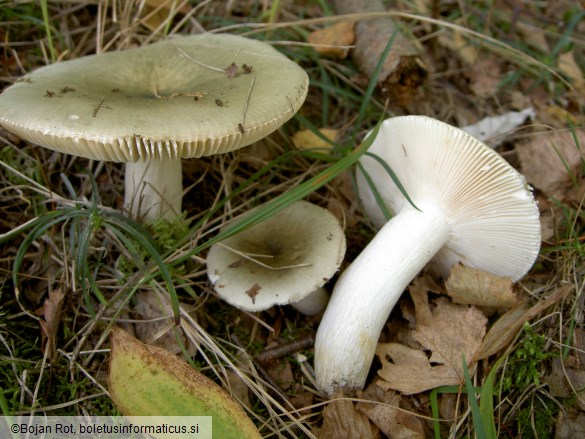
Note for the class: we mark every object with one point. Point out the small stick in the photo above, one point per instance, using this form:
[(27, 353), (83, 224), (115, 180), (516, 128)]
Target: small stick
[(98, 106), (199, 63), (285, 349), (255, 261), (196, 95), (246, 103)]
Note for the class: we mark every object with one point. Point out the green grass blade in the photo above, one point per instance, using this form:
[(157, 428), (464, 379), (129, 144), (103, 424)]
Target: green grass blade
[(478, 425), (394, 178), (45, 11), (486, 402), (435, 413), (379, 200)]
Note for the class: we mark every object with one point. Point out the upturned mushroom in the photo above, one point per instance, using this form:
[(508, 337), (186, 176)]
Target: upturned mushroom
[(471, 207), (285, 259), (188, 96)]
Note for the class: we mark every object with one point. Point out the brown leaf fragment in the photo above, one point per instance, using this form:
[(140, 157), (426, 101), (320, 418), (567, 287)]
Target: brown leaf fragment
[(570, 425), (253, 292), (471, 286), (403, 71), (551, 160), (385, 412), (51, 317), (156, 12), (569, 66), (409, 370), (281, 373), (247, 69), (152, 327), (502, 332), (307, 139), (330, 41), (453, 331), (419, 293), (566, 382), (341, 420), (231, 71), (505, 329), (237, 263), (485, 76)]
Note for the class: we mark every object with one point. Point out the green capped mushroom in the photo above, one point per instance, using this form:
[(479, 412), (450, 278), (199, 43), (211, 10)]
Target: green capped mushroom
[(150, 107)]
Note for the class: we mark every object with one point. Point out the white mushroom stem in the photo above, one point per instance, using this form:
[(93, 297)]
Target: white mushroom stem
[(312, 304), (367, 291), (154, 189)]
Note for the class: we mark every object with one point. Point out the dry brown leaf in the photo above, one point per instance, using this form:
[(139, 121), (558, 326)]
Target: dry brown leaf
[(403, 70), (543, 166), (418, 291), (506, 327), (502, 332), (566, 382), (409, 370), (533, 36), (281, 372), (328, 41), (393, 422), (470, 286), (51, 317), (569, 66), (456, 42), (570, 425), (235, 385), (453, 331), (342, 421), (153, 328), (485, 76)]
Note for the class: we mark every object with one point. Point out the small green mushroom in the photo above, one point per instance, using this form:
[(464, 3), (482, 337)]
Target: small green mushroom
[(283, 260)]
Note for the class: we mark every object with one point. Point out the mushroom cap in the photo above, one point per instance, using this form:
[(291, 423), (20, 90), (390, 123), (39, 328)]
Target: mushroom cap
[(493, 217), (302, 235), (172, 99)]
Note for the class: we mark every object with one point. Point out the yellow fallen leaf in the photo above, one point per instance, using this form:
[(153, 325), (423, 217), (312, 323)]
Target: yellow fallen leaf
[(146, 380), (330, 41), (307, 139), (156, 12)]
